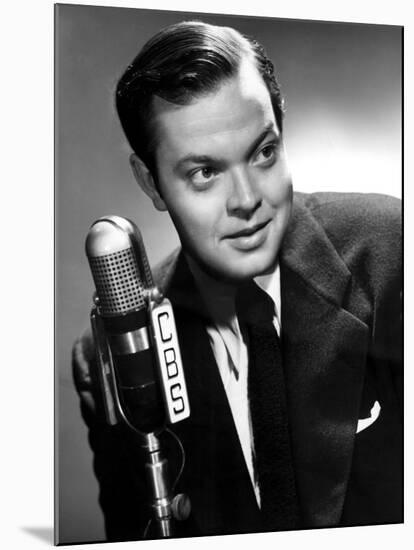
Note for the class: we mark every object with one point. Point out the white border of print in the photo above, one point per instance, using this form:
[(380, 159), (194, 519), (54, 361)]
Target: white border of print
[(26, 483)]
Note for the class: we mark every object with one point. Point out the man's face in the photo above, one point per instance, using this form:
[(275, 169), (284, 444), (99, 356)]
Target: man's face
[(223, 176)]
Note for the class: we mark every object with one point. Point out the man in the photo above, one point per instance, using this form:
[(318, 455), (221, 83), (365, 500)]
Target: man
[(296, 419)]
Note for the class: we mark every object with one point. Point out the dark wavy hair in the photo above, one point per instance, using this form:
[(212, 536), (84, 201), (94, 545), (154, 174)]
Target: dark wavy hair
[(178, 64)]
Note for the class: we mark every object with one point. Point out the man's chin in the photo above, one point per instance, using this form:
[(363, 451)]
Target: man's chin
[(259, 263)]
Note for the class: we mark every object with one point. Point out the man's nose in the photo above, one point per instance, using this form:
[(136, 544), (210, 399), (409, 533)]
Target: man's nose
[(244, 197)]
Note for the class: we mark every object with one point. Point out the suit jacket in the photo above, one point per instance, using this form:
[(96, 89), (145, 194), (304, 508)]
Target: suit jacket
[(342, 353)]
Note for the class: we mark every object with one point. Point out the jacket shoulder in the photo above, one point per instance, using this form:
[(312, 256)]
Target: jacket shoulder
[(365, 230), (164, 270), (364, 220), (363, 212)]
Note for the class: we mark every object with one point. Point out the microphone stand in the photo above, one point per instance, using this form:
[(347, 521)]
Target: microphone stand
[(157, 475), (165, 507)]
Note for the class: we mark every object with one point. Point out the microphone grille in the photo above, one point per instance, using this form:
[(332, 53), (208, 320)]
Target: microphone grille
[(118, 282)]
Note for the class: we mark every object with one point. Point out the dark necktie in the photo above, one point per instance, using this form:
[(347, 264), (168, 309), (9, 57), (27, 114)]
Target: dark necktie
[(267, 400)]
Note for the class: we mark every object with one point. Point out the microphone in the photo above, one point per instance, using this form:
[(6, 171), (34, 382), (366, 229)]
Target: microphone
[(138, 358), (139, 327)]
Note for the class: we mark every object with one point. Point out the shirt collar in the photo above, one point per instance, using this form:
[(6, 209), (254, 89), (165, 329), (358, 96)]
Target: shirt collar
[(270, 283), (219, 299)]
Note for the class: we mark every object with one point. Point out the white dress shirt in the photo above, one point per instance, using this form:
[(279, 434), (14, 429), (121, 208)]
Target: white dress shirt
[(230, 349)]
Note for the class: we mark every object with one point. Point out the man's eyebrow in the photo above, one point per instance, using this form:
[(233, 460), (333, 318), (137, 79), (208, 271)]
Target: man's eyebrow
[(207, 159)]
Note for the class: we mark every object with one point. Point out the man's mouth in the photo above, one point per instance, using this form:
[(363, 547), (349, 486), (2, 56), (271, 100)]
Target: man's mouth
[(250, 238), (248, 230)]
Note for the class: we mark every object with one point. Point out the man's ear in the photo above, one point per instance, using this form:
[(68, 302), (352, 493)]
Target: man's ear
[(146, 181)]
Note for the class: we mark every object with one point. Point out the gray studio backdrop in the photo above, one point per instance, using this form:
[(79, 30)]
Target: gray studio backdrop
[(343, 132)]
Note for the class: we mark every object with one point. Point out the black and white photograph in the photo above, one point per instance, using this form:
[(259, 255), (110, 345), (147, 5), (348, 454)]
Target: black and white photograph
[(228, 274)]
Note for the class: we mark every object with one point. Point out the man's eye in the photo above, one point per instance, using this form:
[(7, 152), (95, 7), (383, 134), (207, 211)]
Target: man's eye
[(203, 176), (267, 154)]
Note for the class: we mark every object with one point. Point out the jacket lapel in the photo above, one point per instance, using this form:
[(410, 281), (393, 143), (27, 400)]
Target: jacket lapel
[(325, 348)]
